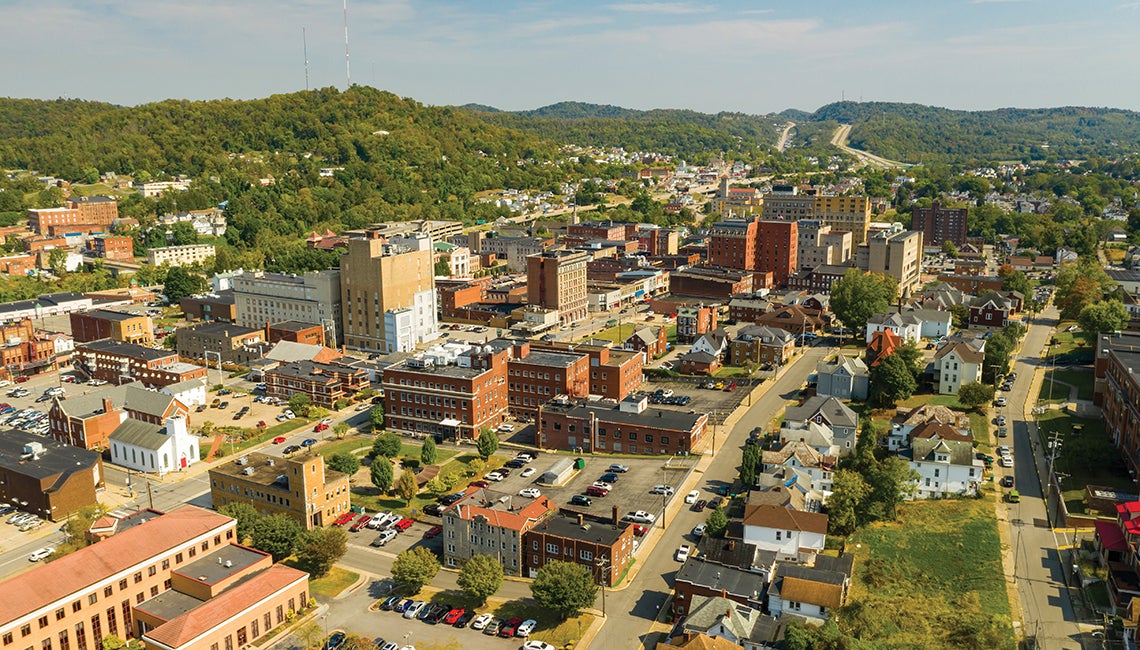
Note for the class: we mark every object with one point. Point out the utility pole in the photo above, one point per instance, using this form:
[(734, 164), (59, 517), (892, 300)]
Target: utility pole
[(603, 563), (149, 495)]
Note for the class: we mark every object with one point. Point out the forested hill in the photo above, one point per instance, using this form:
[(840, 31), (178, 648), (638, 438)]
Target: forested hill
[(917, 133), (673, 131)]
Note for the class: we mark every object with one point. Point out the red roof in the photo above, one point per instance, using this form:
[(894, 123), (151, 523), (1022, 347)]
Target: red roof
[(883, 344), (1110, 536)]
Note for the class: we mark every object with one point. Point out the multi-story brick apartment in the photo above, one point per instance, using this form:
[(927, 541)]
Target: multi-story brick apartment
[(88, 420), (537, 376), (81, 214), (177, 580), (114, 362), (299, 486), (388, 293), (122, 326), (614, 373), (777, 249), (556, 279), (455, 294), (180, 255), (324, 383), (629, 427), (225, 341), (453, 391), (603, 547), (761, 345), (487, 522), (939, 224), (220, 306), (46, 478), (112, 247), (261, 297), (733, 243), (653, 341), (692, 322), (29, 352)]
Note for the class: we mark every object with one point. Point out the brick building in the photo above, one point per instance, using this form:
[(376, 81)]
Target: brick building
[(121, 326), (324, 383), (81, 214), (653, 341), (630, 427), (692, 322), (220, 306), (88, 420), (114, 361), (455, 294), (487, 522), (733, 243), (534, 377), (112, 247), (761, 345), (53, 479), (776, 250), (299, 486), (231, 343), (297, 332), (939, 224), (713, 283), (556, 279), (614, 373), (603, 547), (30, 352)]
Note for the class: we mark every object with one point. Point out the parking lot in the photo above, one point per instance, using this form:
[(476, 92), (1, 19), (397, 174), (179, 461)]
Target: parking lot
[(717, 403)]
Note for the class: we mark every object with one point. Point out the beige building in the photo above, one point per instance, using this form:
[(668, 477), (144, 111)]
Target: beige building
[(849, 213), (895, 254), (387, 291), (298, 486), (819, 245), (556, 279), (261, 298), (180, 255), (487, 522), (789, 202)]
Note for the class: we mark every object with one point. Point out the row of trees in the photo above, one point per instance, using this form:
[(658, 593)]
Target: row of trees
[(281, 536)]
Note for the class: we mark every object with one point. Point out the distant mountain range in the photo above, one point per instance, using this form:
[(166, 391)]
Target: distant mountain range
[(907, 132)]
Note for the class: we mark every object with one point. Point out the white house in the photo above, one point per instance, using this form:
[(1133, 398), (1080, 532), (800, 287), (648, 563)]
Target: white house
[(721, 618), (933, 322), (906, 325), (794, 535), (154, 449), (191, 392), (810, 592), (799, 455), (959, 363), (945, 467), (829, 411), (906, 422), (714, 343)]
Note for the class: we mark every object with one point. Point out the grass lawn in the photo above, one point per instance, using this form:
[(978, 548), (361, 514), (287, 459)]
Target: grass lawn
[(369, 498), (361, 445), (939, 400), (1088, 458), (1083, 381), (336, 581), (941, 558), (725, 372), (1070, 346), (550, 630)]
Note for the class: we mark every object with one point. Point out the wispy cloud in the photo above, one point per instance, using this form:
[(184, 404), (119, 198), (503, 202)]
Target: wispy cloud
[(995, 2), (756, 12), (668, 8)]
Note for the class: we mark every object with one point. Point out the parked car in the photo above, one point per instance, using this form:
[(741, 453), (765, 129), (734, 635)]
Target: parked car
[(699, 506), (334, 642), (464, 620), (404, 524), (682, 553), (1007, 481), (508, 629), (596, 491), (41, 554), (699, 530), (530, 493), (618, 468), (279, 440), (384, 537), (360, 523), (608, 478), (640, 530), (492, 626), (454, 615), (1001, 401), (526, 628), (640, 517), (434, 531), (662, 489), (506, 428), (481, 621), (528, 472), (291, 449), (404, 605), (579, 500), (308, 442), (414, 609), (692, 497), (537, 645), (321, 426), (494, 476)]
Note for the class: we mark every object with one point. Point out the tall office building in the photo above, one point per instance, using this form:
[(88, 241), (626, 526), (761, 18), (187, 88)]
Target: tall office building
[(895, 254), (388, 292), (556, 279), (850, 213), (777, 249), (732, 243), (939, 224)]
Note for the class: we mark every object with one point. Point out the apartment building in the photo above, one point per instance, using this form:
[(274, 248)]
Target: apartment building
[(112, 247), (297, 332), (515, 250), (46, 478), (703, 282), (388, 293), (777, 249), (629, 427), (603, 547), (819, 245), (895, 254), (789, 202), (761, 346), (556, 279), (87, 421), (223, 342), (847, 213), (220, 306), (537, 376), (261, 298), (180, 255), (692, 322), (114, 362), (732, 243), (122, 326), (453, 391), (80, 214), (324, 383), (939, 224), (299, 486), (27, 351), (614, 372), (487, 522)]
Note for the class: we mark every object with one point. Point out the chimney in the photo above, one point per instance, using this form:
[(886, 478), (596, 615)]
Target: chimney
[(580, 519), (732, 544), (615, 515), (107, 405)]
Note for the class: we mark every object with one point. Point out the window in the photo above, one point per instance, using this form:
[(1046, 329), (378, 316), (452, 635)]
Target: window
[(112, 622), (177, 560), (267, 621), (588, 556), (43, 621), (96, 631), (154, 591), (80, 636), (46, 644), (60, 614), (552, 548), (138, 577), (778, 534), (64, 640), (254, 628), (241, 636), (7, 638), (122, 585), (165, 564), (25, 630), (280, 614), (151, 571)]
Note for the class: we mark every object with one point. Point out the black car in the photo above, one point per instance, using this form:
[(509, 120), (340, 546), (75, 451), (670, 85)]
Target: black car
[(224, 405), (437, 615), (334, 642), (449, 499), (514, 464), (609, 478), (580, 500), (435, 510), (1007, 481), (292, 449)]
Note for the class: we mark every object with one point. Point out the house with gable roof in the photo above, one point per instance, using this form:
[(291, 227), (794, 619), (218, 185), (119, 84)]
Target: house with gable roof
[(905, 325), (721, 618), (958, 363), (794, 535), (810, 593), (945, 467), (653, 341), (882, 345), (1116, 543), (993, 309), (829, 411), (906, 421), (844, 377), (714, 343), (761, 345), (801, 456)]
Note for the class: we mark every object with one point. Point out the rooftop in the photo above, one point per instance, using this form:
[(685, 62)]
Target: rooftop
[(609, 412), (219, 328), (550, 359), (500, 509), (589, 531), (55, 459), (221, 564), (267, 471), (768, 516), (108, 346), (169, 605), (113, 315), (719, 577)]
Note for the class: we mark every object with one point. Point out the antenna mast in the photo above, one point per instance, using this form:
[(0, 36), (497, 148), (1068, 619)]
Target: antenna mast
[(347, 73), (305, 45)]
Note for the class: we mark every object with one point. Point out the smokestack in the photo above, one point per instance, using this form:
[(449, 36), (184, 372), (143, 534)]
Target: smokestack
[(107, 405), (615, 515)]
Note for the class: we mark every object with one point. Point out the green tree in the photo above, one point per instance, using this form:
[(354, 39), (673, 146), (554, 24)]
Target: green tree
[(443, 268), (891, 481), (181, 283), (949, 249), (488, 443), (183, 233), (387, 445), (750, 464), (310, 634), (345, 463), (245, 515), (912, 357), (891, 381), (564, 588), (320, 548), (381, 473), (716, 523), (299, 403), (407, 487), (975, 394), (376, 417), (276, 535), (57, 261), (1104, 316), (340, 430), (848, 493), (999, 350), (1080, 285), (480, 577), (1016, 281), (112, 642), (857, 296), (428, 452), (415, 568)]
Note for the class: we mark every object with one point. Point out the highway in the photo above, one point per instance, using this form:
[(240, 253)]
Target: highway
[(839, 139)]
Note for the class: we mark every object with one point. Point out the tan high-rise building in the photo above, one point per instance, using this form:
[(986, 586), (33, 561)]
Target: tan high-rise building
[(556, 279), (387, 289), (850, 213), (895, 254)]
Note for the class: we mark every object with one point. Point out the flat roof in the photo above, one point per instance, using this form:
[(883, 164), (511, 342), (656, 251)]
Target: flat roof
[(221, 564), (588, 531), (55, 459), (222, 329), (169, 605), (127, 349), (658, 418), (552, 359)]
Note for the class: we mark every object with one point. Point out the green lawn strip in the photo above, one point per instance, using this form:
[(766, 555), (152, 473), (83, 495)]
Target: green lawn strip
[(1083, 381), (549, 629), (939, 400), (283, 429), (333, 583), (942, 558), (1088, 458), (361, 445), (1070, 345)]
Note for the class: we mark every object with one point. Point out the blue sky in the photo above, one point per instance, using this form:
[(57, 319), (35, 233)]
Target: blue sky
[(756, 57)]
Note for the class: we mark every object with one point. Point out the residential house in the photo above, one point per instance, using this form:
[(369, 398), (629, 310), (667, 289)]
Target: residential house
[(802, 456), (829, 411), (905, 325), (489, 522), (692, 322), (811, 593), (958, 363), (715, 343), (698, 363), (721, 618), (762, 346), (944, 467), (701, 577), (992, 309), (653, 341), (190, 393), (844, 377), (87, 421), (795, 536), (797, 319), (817, 435), (882, 345), (1117, 543), (907, 420)]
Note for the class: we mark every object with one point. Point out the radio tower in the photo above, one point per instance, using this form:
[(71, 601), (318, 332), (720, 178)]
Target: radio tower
[(305, 45), (347, 73)]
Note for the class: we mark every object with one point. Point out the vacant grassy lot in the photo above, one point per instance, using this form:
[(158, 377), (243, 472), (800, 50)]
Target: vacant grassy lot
[(1089, 457), (939, 400), (336, 581), (941, 558), (369, 498), (1058, 390), (361, 445), (1070, 346)]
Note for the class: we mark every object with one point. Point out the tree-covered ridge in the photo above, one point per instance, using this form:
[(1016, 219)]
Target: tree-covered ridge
[(917, 133)]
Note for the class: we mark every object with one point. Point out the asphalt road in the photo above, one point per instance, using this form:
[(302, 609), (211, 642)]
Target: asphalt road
[(631, 611)]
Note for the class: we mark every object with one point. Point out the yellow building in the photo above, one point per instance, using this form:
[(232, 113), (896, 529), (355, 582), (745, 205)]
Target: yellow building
[(298, 486), (387, 289), (850, 213)]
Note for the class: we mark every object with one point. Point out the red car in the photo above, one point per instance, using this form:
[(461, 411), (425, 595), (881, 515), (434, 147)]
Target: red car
[(278, 440), (21, 379), (344, 519), (453, 616), (321, 426), (596, 491), (432, 532), (639, 530), (479, 484), (404, 524), (360, 523), (508, 629)]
